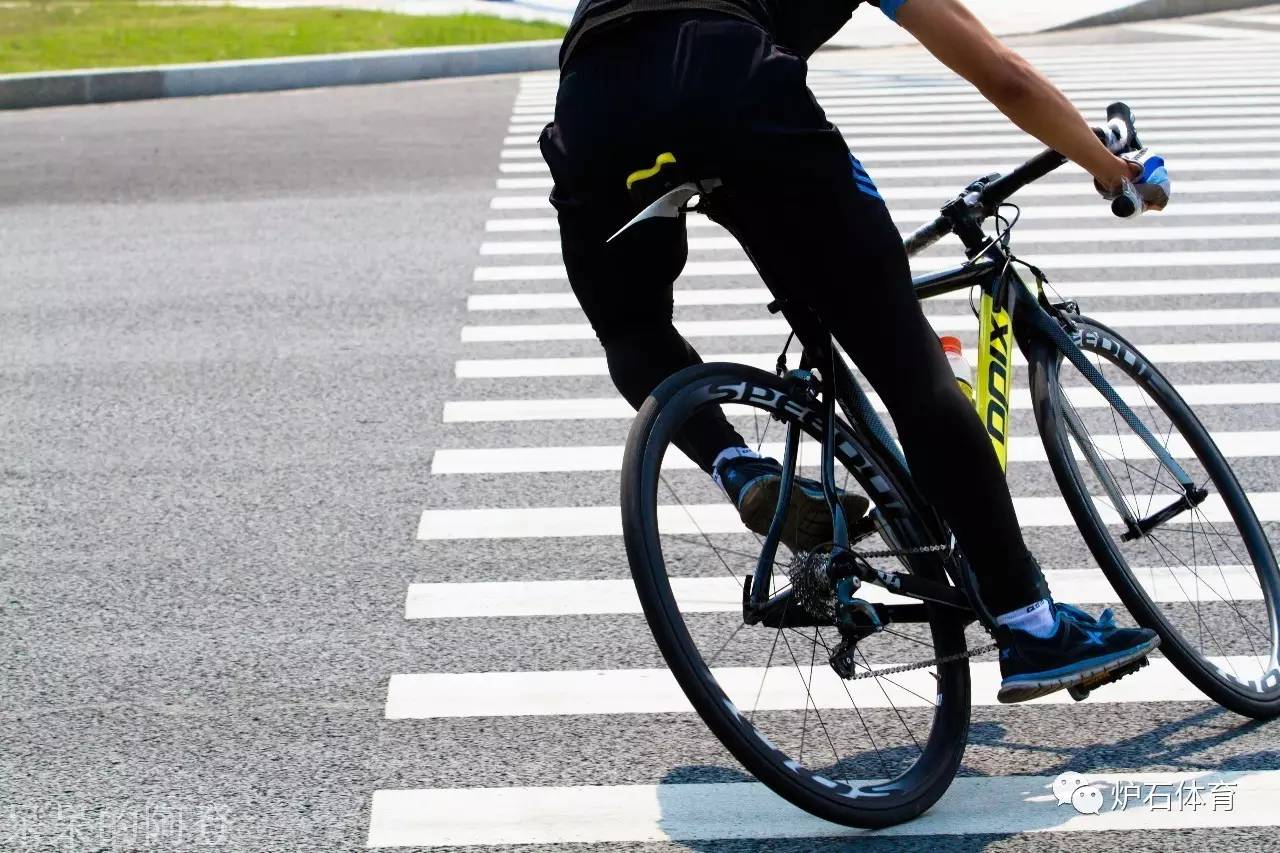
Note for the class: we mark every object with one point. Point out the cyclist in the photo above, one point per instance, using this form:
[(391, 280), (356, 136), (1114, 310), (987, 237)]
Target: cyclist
[(722, 85)]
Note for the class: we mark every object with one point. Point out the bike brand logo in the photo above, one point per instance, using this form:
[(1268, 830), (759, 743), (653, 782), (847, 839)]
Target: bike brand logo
[(877, 486), (997, 419), (1095, 340)]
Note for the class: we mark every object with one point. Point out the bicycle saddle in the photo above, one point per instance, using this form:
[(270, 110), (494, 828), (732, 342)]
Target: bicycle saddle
[(665, 189)]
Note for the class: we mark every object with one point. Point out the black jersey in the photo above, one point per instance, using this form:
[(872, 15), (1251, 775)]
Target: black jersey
[(800, 26)]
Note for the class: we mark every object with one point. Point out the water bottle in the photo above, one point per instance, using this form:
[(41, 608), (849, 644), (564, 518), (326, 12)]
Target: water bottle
[(959, 367)]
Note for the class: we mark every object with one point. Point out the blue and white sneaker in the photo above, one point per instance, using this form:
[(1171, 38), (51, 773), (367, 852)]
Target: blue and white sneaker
[(1082, 652), (752, 483)]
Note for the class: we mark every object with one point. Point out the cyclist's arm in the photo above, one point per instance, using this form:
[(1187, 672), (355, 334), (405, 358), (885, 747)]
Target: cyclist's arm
[(959, 40)]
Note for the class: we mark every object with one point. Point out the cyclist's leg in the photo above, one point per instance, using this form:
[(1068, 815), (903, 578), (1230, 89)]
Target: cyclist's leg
[(835, 247), (625, 289), (818, 230)]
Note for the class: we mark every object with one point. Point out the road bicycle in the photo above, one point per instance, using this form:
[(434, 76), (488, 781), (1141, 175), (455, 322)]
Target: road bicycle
[(842, 678)]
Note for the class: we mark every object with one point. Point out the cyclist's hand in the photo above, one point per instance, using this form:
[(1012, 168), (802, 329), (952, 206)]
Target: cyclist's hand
[(1146, 188)]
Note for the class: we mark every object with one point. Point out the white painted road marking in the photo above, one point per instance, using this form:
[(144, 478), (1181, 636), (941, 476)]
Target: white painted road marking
[(605, 408), (1022, 448), (699, 519), (909, 218), (760, 296), (422, 696), (1189, 317), (968, 171), (631, 814), (1100, 260), (724, 594), (935, 193), (1046, 236), (1159, 354)]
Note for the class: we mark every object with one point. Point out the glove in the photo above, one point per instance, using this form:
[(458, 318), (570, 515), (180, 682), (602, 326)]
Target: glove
[(1150, 190)]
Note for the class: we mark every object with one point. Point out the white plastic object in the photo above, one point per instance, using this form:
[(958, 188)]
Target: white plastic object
[(959, 367)]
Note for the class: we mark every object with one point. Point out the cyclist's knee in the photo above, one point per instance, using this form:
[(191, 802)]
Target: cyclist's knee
[(641, 355)]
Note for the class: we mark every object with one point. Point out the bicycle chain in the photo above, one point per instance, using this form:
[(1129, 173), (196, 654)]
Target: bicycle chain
[(900, 552), (904, 667)]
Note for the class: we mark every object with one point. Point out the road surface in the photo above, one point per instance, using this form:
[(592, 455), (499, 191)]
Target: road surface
[(253, 348)]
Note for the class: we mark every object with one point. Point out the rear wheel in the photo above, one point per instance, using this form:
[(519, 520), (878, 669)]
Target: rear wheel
[(1205, 579), (870, 751)]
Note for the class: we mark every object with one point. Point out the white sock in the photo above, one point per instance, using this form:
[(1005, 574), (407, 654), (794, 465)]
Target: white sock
[(1036, 619), (730, 453)]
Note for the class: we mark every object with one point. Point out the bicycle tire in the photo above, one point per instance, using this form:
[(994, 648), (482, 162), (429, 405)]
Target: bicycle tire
[(889, 803), (1048, 401)]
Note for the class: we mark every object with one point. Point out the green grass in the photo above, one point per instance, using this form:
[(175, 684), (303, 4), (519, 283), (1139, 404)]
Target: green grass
[(42, 36)]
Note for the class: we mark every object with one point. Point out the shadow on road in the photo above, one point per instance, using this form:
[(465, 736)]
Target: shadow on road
[(1167, 746)]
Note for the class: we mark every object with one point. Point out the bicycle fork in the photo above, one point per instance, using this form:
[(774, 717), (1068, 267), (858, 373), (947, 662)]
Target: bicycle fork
[(1048, 326)]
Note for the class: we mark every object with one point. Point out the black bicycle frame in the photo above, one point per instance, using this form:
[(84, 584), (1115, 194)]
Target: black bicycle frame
[(1039, 330)]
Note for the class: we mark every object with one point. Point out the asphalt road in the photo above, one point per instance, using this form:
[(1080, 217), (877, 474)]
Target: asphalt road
[(230, 338)]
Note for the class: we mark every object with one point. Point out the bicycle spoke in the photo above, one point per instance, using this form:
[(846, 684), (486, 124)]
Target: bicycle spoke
[(1193, 567), (885, 732), (861, 719), (835, 753)]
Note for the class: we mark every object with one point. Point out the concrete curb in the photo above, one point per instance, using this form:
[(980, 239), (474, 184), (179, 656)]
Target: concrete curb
[(65, 88), (1151, 10), (95, 86)]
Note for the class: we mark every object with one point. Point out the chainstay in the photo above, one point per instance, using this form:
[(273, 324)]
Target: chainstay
[(920, 664)]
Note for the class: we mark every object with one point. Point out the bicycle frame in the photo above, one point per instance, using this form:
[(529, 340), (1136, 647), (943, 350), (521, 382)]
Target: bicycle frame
[(1010, 310)]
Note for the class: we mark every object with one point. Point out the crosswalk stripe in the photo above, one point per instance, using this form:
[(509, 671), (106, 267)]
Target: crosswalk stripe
[(760, 296), (934, 263), (1251, 18), (514, 460), (1140, 92), (1247, 104), (931, 115), (698, 519), (974, 125), (1168, 119), (1136, 89), (506, 599), (908, 218), (1221, 186), (1255, 18), (518, 147), (1163, 354), (625, 815), (1114, 233), (1189, 317), (655, 691), (1178, 28), (513, 159), (614, 408), (960, 171), (842, 102), (873, 157)]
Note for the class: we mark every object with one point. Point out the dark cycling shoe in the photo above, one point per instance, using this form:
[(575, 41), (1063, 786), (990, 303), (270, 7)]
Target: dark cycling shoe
[(752, 484), (1082, 650)]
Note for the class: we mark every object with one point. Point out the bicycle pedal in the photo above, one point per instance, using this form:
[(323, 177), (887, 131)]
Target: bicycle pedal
[(1081, 691)]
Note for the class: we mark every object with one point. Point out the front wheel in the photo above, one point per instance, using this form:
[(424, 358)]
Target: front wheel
[(1205, 576), (868, 751)]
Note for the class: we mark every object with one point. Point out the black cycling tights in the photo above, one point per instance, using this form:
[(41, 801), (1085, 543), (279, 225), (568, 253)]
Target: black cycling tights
[(719, 94)]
